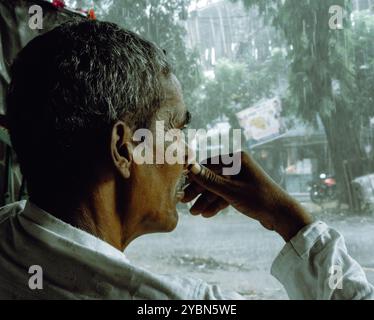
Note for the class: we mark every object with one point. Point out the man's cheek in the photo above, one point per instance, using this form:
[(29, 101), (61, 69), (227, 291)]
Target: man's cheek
[(177, 150)]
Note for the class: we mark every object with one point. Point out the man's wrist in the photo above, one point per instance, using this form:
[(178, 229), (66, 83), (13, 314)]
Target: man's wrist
[(290, 219)]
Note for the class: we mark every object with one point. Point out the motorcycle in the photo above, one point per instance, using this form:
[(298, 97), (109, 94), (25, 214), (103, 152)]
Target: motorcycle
[(323, 189)]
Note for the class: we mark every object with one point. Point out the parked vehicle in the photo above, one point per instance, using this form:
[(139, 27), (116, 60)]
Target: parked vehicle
[(323, 189)]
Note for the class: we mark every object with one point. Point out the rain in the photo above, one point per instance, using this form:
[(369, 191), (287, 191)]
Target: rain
[(297, 78)]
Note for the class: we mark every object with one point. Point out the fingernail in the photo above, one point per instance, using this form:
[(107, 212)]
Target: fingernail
[(194, 168)]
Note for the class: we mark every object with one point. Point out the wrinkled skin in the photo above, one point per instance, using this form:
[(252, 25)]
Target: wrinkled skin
[(159, 185)]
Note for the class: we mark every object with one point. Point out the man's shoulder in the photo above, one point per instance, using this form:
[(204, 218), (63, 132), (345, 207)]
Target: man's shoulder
[(11, 209)]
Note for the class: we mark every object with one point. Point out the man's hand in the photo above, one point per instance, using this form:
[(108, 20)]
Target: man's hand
[(252, 192)]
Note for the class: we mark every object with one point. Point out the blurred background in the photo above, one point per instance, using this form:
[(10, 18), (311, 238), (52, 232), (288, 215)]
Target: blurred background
[(297, 76)]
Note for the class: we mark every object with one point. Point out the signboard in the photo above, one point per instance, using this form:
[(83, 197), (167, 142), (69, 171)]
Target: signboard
[(261, 121)]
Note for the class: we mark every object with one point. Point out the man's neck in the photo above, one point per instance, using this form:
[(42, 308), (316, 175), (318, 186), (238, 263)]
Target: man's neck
[(101, 223), (96, 214)]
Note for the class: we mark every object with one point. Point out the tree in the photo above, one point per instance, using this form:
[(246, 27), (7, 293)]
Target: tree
[(322, 73), (238, 85), (257, 71), (363, 47)]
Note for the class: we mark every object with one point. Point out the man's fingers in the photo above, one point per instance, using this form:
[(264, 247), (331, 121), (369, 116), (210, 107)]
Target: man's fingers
[(210, 180), (191, 192), (214, 208), (204, 201)]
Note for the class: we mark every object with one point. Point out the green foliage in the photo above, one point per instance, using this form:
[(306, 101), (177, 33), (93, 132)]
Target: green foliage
[(331, 73), (238, 85), (327, 70), (225, 90)]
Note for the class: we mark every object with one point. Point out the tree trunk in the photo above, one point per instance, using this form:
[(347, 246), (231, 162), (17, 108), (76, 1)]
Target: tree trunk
[(344, 148)]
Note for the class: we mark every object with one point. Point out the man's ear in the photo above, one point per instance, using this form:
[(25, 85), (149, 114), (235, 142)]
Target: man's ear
[(122, 148)]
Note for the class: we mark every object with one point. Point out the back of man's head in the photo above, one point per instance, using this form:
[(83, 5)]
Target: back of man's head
[(69, 86)]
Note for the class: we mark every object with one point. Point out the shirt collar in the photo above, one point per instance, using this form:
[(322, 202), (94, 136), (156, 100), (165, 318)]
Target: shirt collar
[(54, 225)]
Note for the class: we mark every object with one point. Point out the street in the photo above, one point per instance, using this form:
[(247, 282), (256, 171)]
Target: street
[(235, 252)]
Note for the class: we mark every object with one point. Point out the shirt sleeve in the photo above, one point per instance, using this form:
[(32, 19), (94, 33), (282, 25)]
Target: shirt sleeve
[(214, 292), (315, 264)]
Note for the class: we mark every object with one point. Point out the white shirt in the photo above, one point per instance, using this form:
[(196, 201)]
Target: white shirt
[(77, 265), (315, 264)]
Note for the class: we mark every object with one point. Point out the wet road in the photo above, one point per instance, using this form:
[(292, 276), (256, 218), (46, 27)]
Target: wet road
[(236, 252)]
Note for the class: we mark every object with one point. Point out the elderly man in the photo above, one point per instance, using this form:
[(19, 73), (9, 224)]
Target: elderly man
[(78, 94)]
